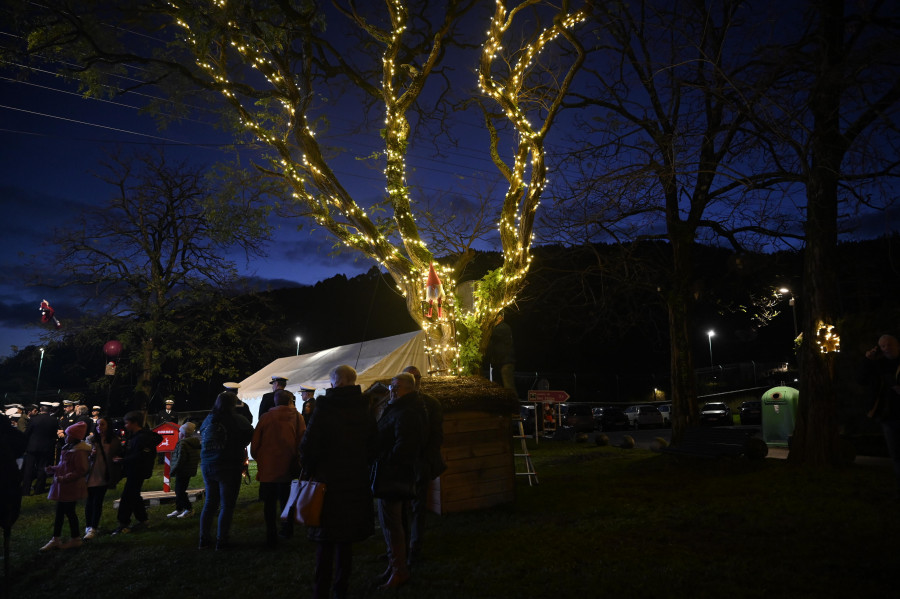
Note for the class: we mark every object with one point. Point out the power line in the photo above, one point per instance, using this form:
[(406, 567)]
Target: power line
[(61, 118)]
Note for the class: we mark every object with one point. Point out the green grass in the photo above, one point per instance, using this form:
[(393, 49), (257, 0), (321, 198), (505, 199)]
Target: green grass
[(603, 522)]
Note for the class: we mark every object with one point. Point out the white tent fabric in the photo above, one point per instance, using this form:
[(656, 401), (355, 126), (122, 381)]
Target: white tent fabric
[(373, 360)]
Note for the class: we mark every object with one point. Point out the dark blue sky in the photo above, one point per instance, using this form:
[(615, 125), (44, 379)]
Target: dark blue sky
[(52, 140)]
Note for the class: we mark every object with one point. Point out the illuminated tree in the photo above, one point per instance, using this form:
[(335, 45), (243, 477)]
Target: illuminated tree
[(278, 64)]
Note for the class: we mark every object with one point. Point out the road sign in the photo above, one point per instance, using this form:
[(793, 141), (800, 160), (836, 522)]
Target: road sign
[(547, 396)]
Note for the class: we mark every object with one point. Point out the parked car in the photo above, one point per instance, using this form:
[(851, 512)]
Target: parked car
[(715, 414), (666, 411), (751, 412), (610, 419), (648, 417), (632, 412), (579, 416)]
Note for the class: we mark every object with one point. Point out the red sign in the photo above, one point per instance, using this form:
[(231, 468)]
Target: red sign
[(547, 396), (169, 432)]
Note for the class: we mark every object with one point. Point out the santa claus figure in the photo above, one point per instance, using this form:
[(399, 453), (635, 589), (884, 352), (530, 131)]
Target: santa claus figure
[(47, 314), (434, 292)]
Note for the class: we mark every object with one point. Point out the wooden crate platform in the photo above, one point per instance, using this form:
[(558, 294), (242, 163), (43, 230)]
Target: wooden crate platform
[(160, 497), (480, 465)]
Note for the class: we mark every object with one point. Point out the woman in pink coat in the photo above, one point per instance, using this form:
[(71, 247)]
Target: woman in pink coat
[(69, 485)]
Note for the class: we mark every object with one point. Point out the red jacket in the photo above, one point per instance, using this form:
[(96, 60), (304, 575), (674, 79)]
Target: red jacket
[(275, 443)]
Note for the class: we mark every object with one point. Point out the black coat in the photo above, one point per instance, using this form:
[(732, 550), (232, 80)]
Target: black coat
[(140, 454), (40, 436), (881, 376), (338, 449), (164, 416), (266, 403), (432, 464), (401, 438)]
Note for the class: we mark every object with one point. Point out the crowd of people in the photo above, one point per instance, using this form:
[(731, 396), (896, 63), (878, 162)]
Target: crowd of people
[(375, 451)]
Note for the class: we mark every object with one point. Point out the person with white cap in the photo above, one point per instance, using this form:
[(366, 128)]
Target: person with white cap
[(14, 414), (168, 414), (66, 419), (308, 396), (95, 414), (239, 406), (268, 399)]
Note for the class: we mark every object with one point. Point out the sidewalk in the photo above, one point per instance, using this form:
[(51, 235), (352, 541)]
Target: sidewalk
[(781, 453)]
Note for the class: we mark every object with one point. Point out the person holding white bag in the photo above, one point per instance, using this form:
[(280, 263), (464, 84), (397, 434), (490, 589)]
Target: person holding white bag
[(338, 449)]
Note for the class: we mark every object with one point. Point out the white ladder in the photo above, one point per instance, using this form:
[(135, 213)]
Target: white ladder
[(529, 465)]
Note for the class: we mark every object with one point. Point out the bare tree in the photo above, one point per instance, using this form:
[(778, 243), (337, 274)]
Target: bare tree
[(277, 65), (664, 152), (832, 123), (157, 245)]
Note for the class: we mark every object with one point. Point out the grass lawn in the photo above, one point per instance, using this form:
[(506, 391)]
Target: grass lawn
[(603, 522)]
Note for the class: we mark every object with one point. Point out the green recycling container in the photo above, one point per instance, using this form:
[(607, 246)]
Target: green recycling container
[(779, 410)]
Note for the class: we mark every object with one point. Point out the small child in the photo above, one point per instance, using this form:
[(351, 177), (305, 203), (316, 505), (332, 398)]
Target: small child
[(185, 460), (69, 485)]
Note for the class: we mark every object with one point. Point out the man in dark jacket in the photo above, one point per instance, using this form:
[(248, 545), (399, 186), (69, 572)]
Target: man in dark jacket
[(268, 399), (429, 467), (137, 465), (40, 443), (880, 370), (168, 414), (401, 439), (337, 449)]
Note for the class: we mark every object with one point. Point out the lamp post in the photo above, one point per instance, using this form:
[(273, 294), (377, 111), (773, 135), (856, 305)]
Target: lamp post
[(40, 365), (298, 345), (793, 305), (710, 333)]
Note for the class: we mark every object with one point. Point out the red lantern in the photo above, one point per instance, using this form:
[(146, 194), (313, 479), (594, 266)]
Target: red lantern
[(112, 348)]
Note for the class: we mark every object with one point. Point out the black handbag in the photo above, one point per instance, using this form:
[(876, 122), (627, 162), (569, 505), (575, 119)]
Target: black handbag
[(392, 489)]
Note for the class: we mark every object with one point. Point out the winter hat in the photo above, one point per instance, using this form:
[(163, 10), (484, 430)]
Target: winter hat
[(77, 430), (187, 429)]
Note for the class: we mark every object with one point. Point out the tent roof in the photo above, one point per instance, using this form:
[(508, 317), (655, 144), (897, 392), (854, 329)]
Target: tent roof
[(373, 360)]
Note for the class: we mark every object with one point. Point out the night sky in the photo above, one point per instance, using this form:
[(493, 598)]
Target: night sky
[(51, 139)]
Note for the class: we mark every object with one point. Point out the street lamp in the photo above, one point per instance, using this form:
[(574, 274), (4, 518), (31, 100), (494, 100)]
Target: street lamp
[(793, 306), (40, 365), (710, 333), (298, 345)]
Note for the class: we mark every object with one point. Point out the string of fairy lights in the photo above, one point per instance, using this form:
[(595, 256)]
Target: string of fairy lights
[(314, 184)]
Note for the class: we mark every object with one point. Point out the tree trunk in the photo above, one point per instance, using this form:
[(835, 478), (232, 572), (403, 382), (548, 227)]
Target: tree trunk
[(679, 301), (816, 441)]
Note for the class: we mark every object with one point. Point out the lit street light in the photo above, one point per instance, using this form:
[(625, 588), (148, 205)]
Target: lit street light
[(793, 306), (710, 334), (298, 345), (40, 365)]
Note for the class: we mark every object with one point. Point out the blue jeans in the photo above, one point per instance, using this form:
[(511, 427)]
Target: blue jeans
[(221, 496)]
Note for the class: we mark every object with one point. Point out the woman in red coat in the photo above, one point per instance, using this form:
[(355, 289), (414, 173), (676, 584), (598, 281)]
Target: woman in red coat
[(69, 485)]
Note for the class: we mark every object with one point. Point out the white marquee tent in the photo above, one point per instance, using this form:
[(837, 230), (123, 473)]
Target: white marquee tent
[(373, 360)]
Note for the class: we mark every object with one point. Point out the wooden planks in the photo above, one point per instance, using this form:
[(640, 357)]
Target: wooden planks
[(480, 466)]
